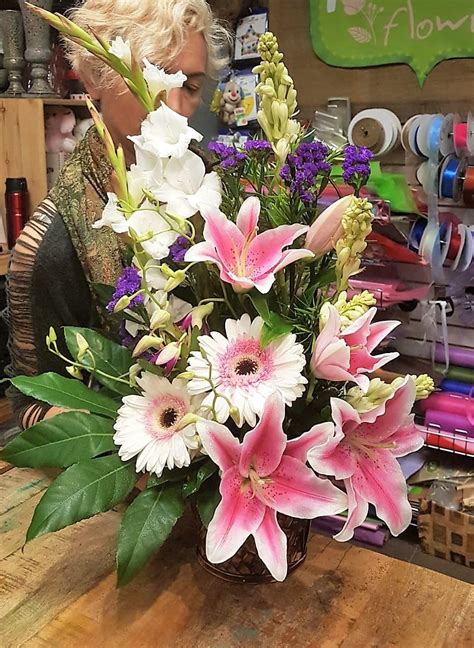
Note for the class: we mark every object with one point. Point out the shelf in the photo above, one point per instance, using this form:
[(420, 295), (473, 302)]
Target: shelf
[(459, 443), (51, 101), (4, 257)]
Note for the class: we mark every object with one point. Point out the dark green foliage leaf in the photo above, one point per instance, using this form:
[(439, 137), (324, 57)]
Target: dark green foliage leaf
[(149, 366), (65, 392), (61, 441), (261, 306), (104, 292), (207, 501), (274, 328), (177, 475), (109, 357), (83, 490), (196, 479), (147, 523)]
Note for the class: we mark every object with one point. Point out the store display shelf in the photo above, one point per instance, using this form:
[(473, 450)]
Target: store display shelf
[(459, 443)]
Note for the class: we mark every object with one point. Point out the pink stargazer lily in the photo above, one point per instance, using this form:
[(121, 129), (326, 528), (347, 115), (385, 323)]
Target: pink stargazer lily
[(363, 454), (263, 475), (347, 355), (246, 259)]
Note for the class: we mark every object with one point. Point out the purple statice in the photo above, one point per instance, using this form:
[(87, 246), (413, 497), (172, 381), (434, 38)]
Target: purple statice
[(258, 147), (302, 169), (128, 283), (229, 157), (178, 249), (356, 165)]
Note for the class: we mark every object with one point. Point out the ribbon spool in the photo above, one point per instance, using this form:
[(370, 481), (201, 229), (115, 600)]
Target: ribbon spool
[(416, 233), (462, 236), (405, 136), (446, 143), (460, 132), (367, 132), (470, 133), (412, 135), (449, 178), (468, 187), (376, 128), (428, 135), (467, 249), (454, 244)]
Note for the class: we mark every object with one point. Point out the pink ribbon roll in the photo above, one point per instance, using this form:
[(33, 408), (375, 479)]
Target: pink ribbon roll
[(448, 422), (451, 404), (460, 356)]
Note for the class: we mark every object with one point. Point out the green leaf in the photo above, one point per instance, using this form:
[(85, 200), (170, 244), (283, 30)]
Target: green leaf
[(197, 478), (104, 292), (61, 441), (65, 392), (146, 524), (109, 357), (83, 490), (149, 366), (207, 501), (326, 277), (175, 475), (274, 328), (261, 306)]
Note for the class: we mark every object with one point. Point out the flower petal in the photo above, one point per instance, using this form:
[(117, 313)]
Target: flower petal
[(247, 218), (318, 435), (219, 443), (380, 481), (290, 256), (262, 447), (357, 513), (293, 489), (225, 236), (265, 251), (271, 544), (238, 515)]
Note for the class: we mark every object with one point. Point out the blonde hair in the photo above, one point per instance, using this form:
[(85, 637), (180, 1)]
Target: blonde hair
[(156, 29)]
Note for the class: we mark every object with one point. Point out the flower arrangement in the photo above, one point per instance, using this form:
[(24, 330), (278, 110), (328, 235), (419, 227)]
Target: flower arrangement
[(240, 376)]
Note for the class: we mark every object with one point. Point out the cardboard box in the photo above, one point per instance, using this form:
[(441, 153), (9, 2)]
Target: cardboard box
[(445, 533)]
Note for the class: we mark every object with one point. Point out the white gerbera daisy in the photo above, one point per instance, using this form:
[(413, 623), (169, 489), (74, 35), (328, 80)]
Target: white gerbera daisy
[(148, 426), (245, 373)]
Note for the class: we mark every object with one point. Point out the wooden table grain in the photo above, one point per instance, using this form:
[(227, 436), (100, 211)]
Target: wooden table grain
[(59, 591)]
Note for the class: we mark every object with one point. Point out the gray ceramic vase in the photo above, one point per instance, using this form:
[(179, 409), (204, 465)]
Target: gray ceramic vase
[(38, 47), (11, 25)]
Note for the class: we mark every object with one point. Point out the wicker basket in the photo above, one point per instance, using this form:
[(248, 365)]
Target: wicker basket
[(246, 567)]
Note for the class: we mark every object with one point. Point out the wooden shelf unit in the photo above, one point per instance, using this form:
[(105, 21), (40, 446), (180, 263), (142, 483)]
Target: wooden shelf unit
[(22, 145)]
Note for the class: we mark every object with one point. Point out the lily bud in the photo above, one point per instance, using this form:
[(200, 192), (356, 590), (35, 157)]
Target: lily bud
[(160, 318), (145, 343), (122, 304), (327, 229), (82, 346), (74, 372)]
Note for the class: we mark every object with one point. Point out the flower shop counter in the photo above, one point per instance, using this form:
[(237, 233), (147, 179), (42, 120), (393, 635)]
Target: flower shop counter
[(60, 591)]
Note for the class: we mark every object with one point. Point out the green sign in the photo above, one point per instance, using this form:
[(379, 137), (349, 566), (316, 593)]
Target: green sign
[(360, 33)]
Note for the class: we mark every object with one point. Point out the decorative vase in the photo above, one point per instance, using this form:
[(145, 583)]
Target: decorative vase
[(38, 47), (13, 46), (246, 566)]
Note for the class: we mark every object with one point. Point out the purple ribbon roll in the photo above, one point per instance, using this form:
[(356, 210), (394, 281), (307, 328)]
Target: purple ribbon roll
[(447, 422), (451, 404), (460, 356)]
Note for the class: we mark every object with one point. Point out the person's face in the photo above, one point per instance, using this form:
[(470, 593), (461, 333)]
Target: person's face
[(123, 114)]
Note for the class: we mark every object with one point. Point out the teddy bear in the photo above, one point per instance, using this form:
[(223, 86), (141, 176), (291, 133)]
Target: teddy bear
[(81, 128), (59, 126), (230, 100)]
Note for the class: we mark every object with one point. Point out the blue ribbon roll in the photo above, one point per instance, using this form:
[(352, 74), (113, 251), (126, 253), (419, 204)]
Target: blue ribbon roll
[(449, 179)]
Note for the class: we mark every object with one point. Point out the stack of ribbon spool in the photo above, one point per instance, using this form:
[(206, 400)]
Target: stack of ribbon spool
[(452, 242), (450, 142), (449, 413), (378, 129)]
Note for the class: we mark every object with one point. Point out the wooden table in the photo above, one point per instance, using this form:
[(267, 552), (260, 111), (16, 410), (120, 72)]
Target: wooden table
[(60, 592)]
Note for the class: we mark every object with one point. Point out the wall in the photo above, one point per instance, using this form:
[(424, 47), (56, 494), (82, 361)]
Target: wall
[(450, 85)]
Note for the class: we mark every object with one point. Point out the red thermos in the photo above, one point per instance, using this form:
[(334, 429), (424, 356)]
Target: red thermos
[(16, 207)]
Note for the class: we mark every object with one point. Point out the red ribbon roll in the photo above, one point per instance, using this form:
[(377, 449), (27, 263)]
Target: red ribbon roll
[(468, 187), (454, 243), (460, 137)]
